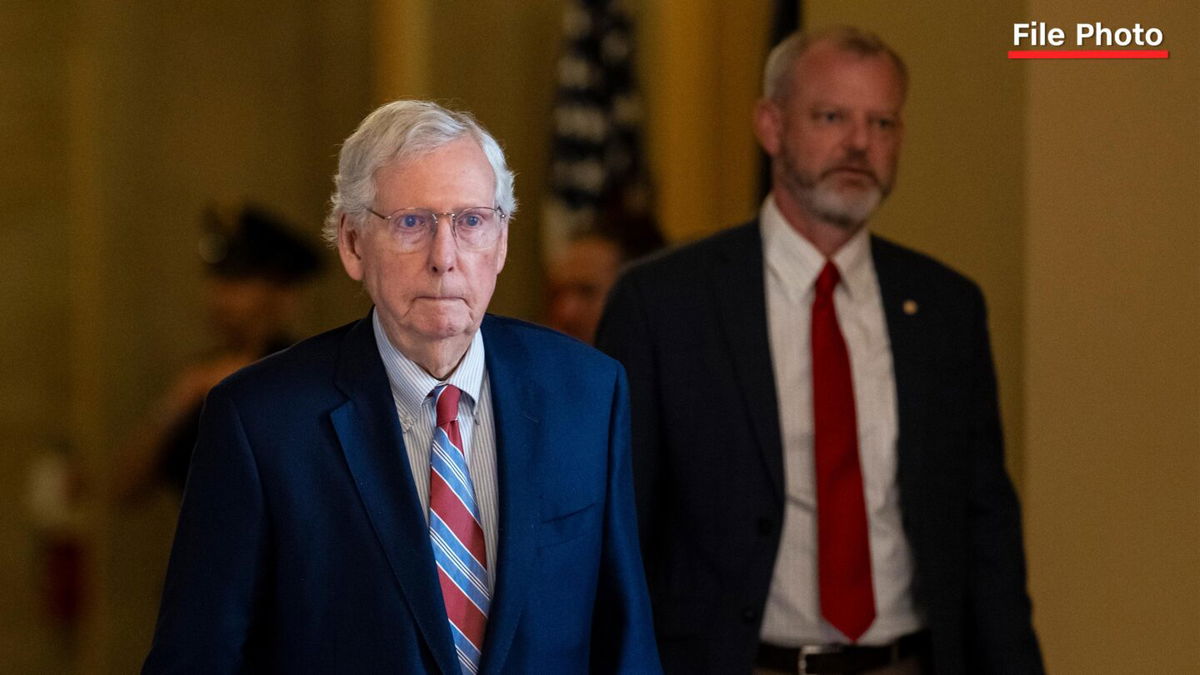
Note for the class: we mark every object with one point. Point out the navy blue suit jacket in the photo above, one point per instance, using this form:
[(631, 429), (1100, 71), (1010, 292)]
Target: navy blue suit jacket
[(691, 329), (302, 547)]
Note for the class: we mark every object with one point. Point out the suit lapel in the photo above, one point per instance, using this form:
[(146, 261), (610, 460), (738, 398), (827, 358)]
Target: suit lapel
[(516, 400), (737, 283), (902, 299), (369, 432)]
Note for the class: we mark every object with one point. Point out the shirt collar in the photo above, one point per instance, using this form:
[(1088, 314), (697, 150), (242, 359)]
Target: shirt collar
[(411, 385), (794, 263)]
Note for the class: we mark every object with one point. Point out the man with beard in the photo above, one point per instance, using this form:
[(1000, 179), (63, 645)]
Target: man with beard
[(817, 447)]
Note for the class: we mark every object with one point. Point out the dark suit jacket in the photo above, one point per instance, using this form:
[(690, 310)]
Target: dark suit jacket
[(691, 329), (302, 547)]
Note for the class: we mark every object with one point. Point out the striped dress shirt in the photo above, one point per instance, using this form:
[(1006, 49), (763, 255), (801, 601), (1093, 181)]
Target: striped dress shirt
[(411, 387)]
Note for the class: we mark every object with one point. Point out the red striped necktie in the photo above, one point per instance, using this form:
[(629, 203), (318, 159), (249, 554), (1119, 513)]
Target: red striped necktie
[(843, 550), (457, 533)]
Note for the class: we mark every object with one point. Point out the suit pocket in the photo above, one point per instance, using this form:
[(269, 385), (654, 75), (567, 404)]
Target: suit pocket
[(568, 526)]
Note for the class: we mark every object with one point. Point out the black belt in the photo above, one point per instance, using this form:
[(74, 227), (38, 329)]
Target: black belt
[(836, 659)]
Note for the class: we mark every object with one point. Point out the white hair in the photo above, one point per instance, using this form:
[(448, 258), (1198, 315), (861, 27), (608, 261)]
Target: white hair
[(397, 131)]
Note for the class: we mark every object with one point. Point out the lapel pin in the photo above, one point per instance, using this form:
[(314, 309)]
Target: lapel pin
[(910, 307)]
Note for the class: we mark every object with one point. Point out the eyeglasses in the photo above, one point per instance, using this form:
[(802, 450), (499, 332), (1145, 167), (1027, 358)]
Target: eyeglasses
[(477, 227)]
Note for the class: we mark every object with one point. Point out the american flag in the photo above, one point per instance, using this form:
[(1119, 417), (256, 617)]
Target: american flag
[(597, 171)]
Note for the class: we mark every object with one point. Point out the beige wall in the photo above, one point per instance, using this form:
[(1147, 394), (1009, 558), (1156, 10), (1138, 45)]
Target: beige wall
[(34, 299), (702, 70), (1112, 378), (120, 122)]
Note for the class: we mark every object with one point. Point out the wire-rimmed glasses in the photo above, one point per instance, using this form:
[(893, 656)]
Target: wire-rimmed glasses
[(475, 227)]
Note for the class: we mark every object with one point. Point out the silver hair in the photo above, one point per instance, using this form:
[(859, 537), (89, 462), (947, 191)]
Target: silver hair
[(397, 131), (846, 38)]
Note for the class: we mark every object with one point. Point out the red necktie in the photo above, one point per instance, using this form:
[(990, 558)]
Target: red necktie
[(454, 528), (843, 550)]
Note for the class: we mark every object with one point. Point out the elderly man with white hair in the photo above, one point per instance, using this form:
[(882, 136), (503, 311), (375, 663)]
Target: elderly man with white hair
[(429, 489)]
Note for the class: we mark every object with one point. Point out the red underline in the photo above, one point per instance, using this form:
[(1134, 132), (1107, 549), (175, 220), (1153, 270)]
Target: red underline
[(1089, 54)]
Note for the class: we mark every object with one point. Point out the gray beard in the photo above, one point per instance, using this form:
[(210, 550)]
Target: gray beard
[(847, 210), (844, 210)]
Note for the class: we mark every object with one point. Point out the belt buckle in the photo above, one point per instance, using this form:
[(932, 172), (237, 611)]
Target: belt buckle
[(813, 650)]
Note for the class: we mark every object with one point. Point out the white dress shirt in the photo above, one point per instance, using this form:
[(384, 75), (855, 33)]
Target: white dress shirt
[(411, 389), (793, 614)]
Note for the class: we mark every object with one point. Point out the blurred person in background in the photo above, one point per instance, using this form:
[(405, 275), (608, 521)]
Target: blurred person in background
[(579, 277), (257, 267), (817, 444)]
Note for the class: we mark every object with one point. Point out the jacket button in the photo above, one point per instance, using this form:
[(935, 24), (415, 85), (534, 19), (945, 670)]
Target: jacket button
[(765, 526), (749, 615)]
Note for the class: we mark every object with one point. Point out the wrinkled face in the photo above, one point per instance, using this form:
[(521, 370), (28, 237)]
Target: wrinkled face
[(439, 292), (835, 135), (578, 282)]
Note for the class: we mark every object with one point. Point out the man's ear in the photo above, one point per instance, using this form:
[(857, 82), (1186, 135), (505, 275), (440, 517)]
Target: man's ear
[(768, 125), (349, 244)]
